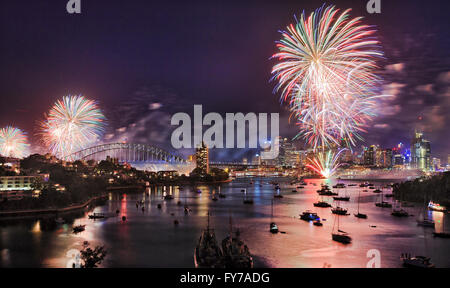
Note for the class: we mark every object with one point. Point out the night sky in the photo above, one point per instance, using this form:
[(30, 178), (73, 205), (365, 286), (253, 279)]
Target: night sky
[(144, 60)]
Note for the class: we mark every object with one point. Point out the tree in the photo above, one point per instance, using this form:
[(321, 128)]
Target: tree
[(92, 258)]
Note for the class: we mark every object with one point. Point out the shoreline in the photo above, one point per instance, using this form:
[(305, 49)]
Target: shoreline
[(46, 211)]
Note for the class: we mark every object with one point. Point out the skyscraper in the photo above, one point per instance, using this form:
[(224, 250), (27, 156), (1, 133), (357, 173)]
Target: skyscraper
[(202, 158), (420, 152)]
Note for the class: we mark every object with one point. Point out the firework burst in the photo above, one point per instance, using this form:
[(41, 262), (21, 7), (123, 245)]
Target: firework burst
[(325, 163), (72, 124), (325, 72), (13, 142)]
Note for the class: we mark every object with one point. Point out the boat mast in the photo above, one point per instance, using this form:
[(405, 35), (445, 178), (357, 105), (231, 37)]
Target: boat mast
[(359, 196)]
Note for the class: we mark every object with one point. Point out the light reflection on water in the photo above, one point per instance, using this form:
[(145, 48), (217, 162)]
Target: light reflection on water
[(150, 239)]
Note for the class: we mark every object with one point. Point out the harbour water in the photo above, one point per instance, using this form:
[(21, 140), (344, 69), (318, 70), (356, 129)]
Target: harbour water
[(149, 238)]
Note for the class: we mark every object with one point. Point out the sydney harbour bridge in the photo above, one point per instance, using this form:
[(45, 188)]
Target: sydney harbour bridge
[(145, 156)]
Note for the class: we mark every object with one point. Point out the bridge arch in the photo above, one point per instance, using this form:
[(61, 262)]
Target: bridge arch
[(126, 152)]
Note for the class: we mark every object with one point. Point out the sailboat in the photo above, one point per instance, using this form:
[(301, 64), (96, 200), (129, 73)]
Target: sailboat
[(221, 195), (339, 210), (339, 235), (247, 201), (342, 198), (273, 227), (383, 204), (360, 215), (207, 253), (235, 252), (398, 211), (278, 195), (322, 204)]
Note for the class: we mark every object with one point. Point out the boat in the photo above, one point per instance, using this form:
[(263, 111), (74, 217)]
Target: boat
[(341, 198), (351, 185), (360, 215), (96, 216), (317, 223), (425, 222), (340, 236), (436, 207), (322, 204), (278, 195), (79, 228), (221, 195), (389, 195), (383, 204), (339, 211), (236, 254), (416, 262), (309, 216), (214, 198), (273, 227), (327, 193), (207, 253), (399, 213), (377, 191), (294, 190), (300, 187), (339, 185), (246, 200), (168, 197)]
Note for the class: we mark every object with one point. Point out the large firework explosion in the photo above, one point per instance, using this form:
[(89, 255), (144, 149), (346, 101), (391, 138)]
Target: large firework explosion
[(326, 73), (72, 124), (13, 142)]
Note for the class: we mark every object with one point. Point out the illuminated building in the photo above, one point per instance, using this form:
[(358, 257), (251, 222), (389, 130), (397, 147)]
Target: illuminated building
[(436, 163), (16, 187), (420, 152), (202, 158)]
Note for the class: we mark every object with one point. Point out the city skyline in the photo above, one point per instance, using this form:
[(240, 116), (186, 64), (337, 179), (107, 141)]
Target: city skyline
[(419, 100)]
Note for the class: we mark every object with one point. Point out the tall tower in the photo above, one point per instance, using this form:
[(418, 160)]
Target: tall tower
[(202, 158), (420, 152)]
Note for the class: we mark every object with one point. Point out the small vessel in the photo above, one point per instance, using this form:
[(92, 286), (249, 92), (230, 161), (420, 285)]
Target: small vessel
[(96, 216), (300, 187), (317, 223), (79, 228), (309, 216), (339, 211), (322, 204), (159, 206), (339, 185), (425, 222), (416, 262), (383, 204), (341, 198), (360, 215), (207, 253), (377, 191), (273, 228), (389, 195), (351, 185), (340, 236), (221, 195), (294, 190), (235, 252), (168, 197), (214, 198), (247, 200), (436, 207)]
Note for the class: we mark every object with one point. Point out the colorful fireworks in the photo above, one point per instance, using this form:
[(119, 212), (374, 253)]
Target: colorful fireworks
[(13, 142), (326, 73), (72, 123), (325, 163)]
